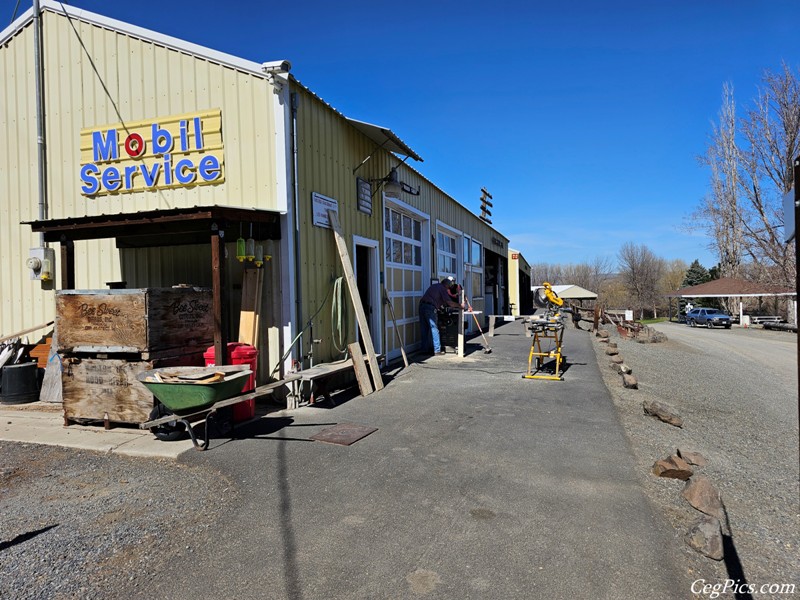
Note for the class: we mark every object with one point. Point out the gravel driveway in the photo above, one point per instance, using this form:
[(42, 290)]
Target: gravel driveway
[(85, 525), (737, 393)]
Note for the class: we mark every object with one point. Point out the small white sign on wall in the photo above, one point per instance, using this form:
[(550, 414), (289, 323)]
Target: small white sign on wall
[(320, 207)]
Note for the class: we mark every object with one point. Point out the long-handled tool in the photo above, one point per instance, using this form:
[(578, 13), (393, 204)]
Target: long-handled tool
[(486, 349)]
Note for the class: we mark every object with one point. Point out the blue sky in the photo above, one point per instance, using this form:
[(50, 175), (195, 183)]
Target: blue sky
[(583, 119)]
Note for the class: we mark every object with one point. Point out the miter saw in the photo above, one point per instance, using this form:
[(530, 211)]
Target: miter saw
[(548, 325)]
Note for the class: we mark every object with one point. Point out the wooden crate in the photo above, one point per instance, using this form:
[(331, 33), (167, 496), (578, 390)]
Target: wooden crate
[(99, 388), (150, 321)]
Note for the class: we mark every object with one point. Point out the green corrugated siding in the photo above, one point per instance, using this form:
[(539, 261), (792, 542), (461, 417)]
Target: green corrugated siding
[(329, 149)]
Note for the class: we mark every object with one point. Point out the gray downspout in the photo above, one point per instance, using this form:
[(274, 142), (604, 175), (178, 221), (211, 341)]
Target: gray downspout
[(40, 138), (296, 192)]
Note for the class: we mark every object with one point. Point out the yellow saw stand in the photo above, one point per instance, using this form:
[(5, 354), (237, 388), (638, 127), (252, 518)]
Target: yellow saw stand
[(547, 330)]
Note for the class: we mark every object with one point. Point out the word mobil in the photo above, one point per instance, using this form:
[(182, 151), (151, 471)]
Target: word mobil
[(105, 148)]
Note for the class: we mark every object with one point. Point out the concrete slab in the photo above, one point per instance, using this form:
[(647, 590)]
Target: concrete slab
[(43, 425), (477, 484)]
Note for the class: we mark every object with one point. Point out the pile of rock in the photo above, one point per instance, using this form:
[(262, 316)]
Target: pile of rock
[(616, 361), (706, 535)]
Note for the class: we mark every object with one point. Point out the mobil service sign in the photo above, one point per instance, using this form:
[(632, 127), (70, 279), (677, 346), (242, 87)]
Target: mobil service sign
[(169, 152)]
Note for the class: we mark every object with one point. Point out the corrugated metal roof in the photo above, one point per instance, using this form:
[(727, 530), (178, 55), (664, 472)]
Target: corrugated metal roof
[(729, 286), (570, 292), (385, 138), (134, 31)]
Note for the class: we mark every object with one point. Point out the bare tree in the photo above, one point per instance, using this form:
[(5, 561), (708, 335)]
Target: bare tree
[(721, 210), (750, 160), (587, 275), (641, 271), (590, 276), (541, 272)]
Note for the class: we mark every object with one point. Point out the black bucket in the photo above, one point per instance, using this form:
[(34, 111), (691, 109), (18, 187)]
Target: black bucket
[(20, 383)]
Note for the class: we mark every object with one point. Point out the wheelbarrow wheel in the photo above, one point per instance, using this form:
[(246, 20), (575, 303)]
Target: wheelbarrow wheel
[(166, 432)]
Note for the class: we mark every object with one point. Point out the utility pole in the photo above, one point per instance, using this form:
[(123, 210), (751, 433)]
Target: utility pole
[(796, 262), (485, 205)]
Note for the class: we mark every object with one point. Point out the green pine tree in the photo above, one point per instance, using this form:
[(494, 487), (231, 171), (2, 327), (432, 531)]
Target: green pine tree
[(695, 275)]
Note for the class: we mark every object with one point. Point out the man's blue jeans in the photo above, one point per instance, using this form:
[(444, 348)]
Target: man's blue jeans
[(429, 326)]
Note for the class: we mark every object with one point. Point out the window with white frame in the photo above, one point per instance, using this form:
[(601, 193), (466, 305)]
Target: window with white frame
[(403, 236), (446, 259), (473, 266)]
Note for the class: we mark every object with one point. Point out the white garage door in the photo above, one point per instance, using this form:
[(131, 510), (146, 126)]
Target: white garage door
[(403, 260)]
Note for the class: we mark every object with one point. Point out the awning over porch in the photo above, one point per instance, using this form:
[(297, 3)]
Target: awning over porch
[(730, 287), (163, 227), (169, 227)]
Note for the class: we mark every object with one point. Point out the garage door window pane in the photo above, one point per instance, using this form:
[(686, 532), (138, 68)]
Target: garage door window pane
[(408, 257)]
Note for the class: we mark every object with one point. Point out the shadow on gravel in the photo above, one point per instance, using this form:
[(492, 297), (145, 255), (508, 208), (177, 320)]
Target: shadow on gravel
[(732, 562), (24, 537)]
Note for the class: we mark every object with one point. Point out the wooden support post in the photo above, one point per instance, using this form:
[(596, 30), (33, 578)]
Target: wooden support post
[(67, 264), (461, 328), (217, 291), (360, 368), (491, 325), (361, 318)]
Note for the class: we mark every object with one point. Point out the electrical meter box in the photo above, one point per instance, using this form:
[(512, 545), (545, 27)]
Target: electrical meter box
[(42, 263)]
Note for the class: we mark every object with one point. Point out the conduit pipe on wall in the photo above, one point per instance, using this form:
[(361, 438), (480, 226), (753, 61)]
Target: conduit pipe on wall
[(40, 130), (298, 286)]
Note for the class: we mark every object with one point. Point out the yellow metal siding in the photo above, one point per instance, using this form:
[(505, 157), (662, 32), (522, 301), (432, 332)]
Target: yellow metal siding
[(22, 303), (328, 151), (140, 81), (122, 79)]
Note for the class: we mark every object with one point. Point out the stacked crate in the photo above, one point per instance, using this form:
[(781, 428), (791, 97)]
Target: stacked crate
[(107, 337)]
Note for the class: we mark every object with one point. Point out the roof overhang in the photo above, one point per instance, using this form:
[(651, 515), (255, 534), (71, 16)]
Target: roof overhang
[(731, 287), (570, 292), (731, 295), (385, 138), (169, 227)]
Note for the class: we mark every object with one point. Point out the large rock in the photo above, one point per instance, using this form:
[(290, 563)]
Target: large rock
[(630, 382), (693, 458), (617, 359), (673, 467), (650, 336), (663, 412), (602, 333), (701, 493), (612, 344), (611, 351), (705, 537)]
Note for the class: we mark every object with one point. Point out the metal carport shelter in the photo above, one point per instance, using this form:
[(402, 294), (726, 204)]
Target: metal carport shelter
[(571, 292), (729, 287), (169, 227)]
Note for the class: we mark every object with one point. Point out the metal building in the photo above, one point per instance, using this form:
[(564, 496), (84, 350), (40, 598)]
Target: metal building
[(148, 156), (519, 284)]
